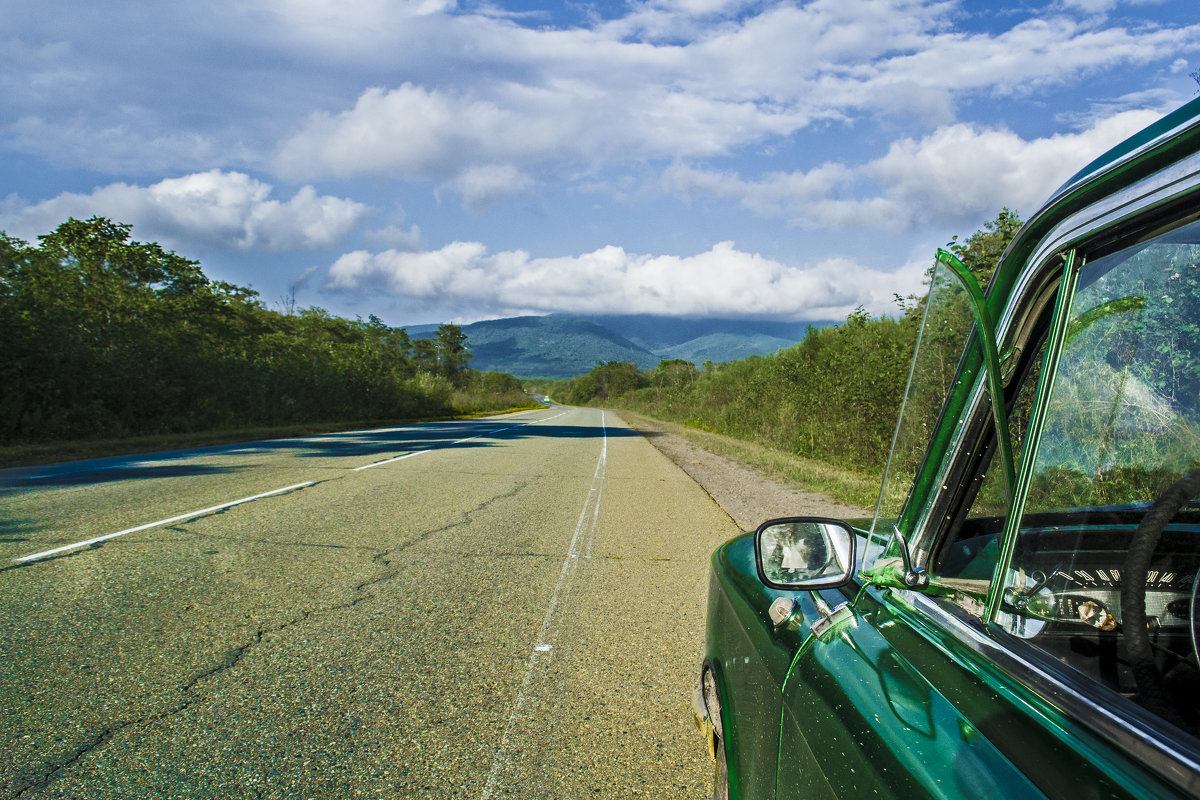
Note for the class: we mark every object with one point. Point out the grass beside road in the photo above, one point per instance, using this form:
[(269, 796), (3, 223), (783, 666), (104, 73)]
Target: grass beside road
[(21, 455), (848, 486)]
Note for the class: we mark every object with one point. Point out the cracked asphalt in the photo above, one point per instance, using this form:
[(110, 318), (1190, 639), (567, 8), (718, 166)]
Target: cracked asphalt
[(508, 607)]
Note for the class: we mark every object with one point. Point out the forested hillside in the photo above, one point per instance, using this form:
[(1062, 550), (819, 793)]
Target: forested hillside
[(833, 397), (553, 346), (561, 346), (104, 336), (705, 339)]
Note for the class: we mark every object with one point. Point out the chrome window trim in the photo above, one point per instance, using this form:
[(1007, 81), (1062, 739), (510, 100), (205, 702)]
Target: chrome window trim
[(1167, 184), (1086, 176), (1144, 736), (1134, 200)]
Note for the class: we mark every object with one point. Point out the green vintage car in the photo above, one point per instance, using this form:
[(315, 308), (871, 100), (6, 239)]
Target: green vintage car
[(1019, 619)]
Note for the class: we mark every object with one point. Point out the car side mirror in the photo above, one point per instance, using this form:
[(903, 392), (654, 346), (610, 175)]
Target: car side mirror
[(804, 552)]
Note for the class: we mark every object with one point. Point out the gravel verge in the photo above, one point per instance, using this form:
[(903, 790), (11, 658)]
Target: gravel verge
[(747, 494)]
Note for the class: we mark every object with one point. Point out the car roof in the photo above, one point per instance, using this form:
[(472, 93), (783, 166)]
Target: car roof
[(1182, 118)]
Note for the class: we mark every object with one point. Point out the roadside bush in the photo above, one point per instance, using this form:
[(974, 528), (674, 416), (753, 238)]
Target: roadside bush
[(434, 391), (490, 391)]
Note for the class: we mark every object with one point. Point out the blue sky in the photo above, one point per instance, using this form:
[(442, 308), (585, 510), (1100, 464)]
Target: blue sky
[(432, 161)]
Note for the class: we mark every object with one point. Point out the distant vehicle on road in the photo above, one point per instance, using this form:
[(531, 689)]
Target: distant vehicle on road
[(1020, 616)]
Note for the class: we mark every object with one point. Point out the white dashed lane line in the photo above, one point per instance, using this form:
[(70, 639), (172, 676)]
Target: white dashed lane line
[(167, 521), (88, 542)]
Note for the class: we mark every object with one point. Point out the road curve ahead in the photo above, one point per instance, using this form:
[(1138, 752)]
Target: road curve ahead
[(507, 607)]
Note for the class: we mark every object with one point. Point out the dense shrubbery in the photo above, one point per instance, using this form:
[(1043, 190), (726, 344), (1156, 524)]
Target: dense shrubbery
[(834, 397), (104, 336), (610, 380), (487, 391)]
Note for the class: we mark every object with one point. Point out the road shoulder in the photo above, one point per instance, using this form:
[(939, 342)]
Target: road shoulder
[(747, 494)]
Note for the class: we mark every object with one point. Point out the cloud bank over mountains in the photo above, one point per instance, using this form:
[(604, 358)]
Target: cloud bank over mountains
[(721, 282)]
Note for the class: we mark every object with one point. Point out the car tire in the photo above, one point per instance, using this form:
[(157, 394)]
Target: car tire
[(721, 773), (711, 697)]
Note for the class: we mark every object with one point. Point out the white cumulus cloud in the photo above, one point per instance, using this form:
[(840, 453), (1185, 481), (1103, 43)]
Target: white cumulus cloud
[(963, 170), (959, 172), (484, 186), (415, 133), (226, 210)]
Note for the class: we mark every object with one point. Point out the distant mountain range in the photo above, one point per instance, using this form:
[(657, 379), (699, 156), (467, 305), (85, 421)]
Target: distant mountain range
[(563, 345)]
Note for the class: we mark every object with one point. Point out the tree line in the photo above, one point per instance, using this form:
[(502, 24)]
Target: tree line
[(834, 397), (104, 336)]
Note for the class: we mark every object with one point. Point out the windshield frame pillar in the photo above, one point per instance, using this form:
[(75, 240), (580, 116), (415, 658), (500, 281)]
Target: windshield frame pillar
[(1019, 490)]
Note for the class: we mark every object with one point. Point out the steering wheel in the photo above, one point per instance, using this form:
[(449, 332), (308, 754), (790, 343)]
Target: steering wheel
[(1133, 591)]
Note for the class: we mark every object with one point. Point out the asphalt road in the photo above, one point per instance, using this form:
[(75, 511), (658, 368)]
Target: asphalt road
[(508, 607)]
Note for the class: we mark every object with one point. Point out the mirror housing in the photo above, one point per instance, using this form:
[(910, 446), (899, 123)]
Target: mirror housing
[(800, 553)]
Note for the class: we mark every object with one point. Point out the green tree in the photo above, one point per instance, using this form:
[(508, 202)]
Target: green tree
[(425, 355), (836, 395), (609, 380), (982, 250), (453, 351), (673, 373)]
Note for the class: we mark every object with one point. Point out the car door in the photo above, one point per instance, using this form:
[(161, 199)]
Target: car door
[(888, 704)]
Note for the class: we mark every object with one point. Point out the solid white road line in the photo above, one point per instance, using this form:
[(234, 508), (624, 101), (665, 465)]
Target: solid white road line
[(585, 532), (189, 515)]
